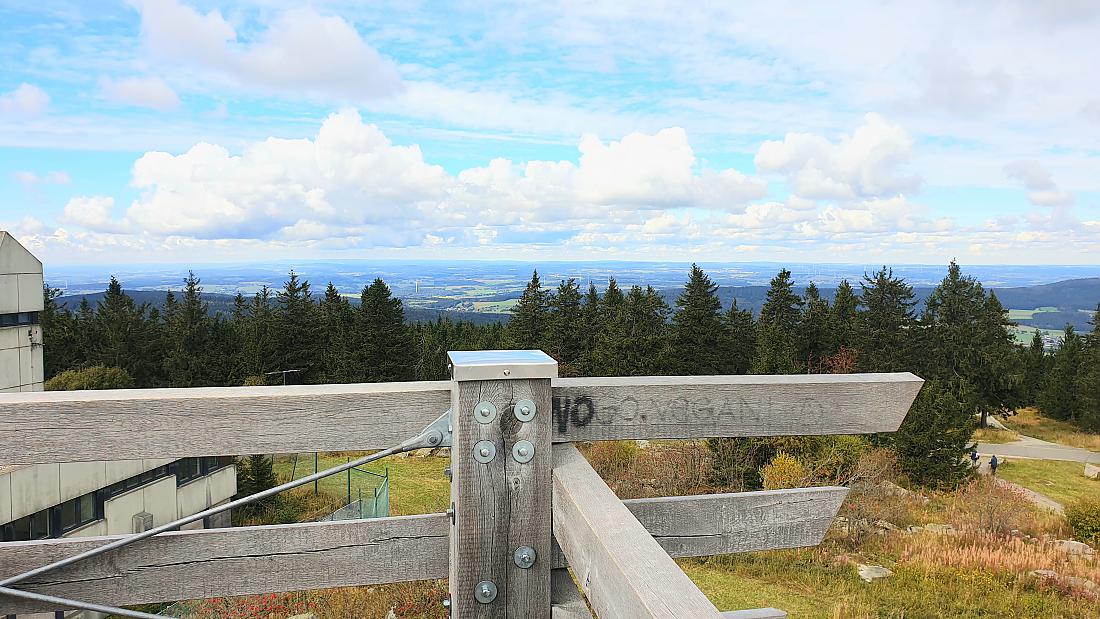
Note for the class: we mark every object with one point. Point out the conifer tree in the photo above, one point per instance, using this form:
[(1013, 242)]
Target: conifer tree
[(589, 329), (777, 330), (1059, 398), (258, 336), (741, 335), (121, 340), (527, 327), (189, 339), (387, 346), (645, 348), (611, 333), (298, 329), (1089, 376), (885, 333), (61, 352), (814, 339), (337, 320), (935, 435), (842, 317), (698, 336), (1034, 368), (565, 342)]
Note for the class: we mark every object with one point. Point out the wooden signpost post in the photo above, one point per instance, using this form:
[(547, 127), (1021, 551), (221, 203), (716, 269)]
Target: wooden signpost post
[(525, 503)]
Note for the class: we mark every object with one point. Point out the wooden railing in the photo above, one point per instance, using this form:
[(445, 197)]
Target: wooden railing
[(553, 503)]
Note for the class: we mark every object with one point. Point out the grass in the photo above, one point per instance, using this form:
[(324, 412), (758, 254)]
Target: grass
[(1028, 421), (993, 435), (1023, 314), (417, 484), (1061, 481)]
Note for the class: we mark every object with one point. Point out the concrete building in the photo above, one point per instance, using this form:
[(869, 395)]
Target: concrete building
[(79, 499)]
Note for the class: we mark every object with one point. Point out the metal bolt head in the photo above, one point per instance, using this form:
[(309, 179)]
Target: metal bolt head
[(447, 471), (485, 412), (447, 602), (524, 557), (485, 451), (523, 451), (507, 372), (485, 591), (433, 439), (525, 410)]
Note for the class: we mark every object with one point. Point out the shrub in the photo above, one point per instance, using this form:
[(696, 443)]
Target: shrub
[(95, 377), (784, 471), (613, 459), (1083, 517)]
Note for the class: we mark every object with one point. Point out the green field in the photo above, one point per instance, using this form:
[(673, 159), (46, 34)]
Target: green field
[(1028, 314), (1061, 481)]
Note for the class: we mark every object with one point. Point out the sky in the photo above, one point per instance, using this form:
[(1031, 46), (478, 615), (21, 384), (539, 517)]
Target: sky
[(192, 131)]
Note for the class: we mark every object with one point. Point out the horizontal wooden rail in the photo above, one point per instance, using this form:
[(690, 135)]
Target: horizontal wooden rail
[(174, 423), (653, 407), (623, 571), (249, 560)]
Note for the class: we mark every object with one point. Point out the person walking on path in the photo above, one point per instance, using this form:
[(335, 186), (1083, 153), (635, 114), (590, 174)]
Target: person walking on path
[(993, 465), (974, 458)]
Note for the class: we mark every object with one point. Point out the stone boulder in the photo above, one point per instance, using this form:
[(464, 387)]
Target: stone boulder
[(870, 573), (1075, 547)]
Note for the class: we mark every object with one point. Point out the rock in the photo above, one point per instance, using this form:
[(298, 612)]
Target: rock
[(1044, 574), (872, 572), (913, 529), (1083, 584), (940, 529), (1092, 471), (1075, 547), (305, 616), (885, 526)]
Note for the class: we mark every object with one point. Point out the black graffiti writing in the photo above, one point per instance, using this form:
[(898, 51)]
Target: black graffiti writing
[(578, 412)]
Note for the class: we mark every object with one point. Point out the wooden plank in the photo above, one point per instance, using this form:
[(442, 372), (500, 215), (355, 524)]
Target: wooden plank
[(566, 601), (238, 561), (623, 571), (224, 562), (755, 613), (652, 407), (174, 423), (711, 524), (502, 504)]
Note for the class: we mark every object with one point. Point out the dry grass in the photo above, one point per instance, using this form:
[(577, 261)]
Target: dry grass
[(993, 435), (1030, 422), (673, 468)]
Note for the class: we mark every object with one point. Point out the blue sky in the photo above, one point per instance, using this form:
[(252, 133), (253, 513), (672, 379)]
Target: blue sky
[(194, 131)]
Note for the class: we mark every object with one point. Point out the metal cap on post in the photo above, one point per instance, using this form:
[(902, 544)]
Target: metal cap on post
[(501, 463)]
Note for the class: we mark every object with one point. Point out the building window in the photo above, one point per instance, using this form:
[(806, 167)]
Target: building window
[(187, 470), (75, 513), (34, 526), (20, 318)]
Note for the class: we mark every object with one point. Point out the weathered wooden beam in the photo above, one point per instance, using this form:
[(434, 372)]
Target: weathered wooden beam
[(126, 424), (565, 598), (176, 423), (189, 565), (652, 407), (237, 561), (623, 571), (500, 495)]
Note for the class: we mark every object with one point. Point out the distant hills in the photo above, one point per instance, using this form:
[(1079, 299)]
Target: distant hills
[(1071, 301)]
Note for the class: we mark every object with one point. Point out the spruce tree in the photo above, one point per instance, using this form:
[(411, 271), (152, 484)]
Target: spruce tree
[(842, 317), (337, 321), (189, 339), (589, 328), (1034, 369), (698, 336), (121, 338), (777, 330), (527, 327), (565, 342), (885, 333), (1059, 398), (645, 348), (935, 436), (1089, 376), (298, 329), (814, 340), (60, 340), (607, 357), (741, 335), (387, 346)]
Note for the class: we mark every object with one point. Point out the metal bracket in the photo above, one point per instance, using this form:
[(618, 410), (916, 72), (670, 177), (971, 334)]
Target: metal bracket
[(437, 434)]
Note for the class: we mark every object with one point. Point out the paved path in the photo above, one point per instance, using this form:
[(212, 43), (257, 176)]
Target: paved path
[(1028, 447)]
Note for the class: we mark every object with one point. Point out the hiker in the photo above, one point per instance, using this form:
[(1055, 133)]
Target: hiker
[(974, 458), (993, 465)]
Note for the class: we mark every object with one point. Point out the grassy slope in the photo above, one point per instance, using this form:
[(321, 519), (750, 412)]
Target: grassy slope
[(1061, 481), (1029, 422)]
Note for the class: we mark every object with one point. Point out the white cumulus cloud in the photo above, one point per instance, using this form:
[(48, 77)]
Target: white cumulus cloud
[(92, 213), (1040, 185), (150, 92)]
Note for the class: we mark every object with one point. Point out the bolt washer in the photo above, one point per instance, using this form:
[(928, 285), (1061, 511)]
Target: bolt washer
[(485, 412), (485, 591), (528, 451), (524, 557), (485, 451), (525, 405)]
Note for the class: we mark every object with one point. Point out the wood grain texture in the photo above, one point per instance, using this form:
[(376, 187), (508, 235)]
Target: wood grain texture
[(221, 562), (652, 407), (623, 571), (497, 505), (565, 598), (238, 561), (175, 423), (755, 613)]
